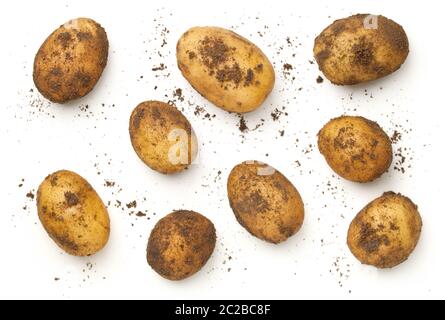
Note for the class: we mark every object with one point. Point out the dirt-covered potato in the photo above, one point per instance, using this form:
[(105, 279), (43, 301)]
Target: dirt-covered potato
[(73, 214), (386, 231), (361, 48), (265, 202), (162, 137), (71, 60), (181, 244), (356, 148), (225, 68)]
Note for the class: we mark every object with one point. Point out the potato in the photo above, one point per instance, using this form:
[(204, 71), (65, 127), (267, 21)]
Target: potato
[(386, 231), (71, 60), (356, 148), (225, 68), (265, 202), (181, 244), (361, 48), (162, 137), (73, 214)]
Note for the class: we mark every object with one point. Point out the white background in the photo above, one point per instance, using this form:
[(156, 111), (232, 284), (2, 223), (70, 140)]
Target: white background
[(38, 138)]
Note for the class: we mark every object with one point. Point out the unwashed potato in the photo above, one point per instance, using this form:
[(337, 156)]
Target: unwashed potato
[(386, 231), (225, 68), (361, 48), (356, 148), (162, 137), (73, 214), (265, 202), (71, 60), (181, 244)]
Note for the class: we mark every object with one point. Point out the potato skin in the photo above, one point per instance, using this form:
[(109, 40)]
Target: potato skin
[(181, 244), (356, 148), (73, 214), (71, 60), (151, 124), (348, 53), (265, 202), (225, 68), (386, 231)]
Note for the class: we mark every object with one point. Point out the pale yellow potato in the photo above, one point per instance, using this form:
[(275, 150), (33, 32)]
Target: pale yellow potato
[(73, 214), (71, 60), (386, 231), (356, 148), (361, 48), (181, 244), (265, 202), (162, 137), (225, 68)]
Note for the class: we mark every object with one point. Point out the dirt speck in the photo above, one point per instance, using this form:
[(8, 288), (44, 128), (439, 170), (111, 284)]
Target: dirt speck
[(132, 204), (288, 67), (242, 126), (161, 67), (396, 137)]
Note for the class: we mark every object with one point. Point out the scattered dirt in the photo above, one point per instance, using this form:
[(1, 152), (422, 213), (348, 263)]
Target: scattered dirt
[(140, 214), (401, 158), (277, 113), (202, 113), (161, 67), (242, 126), (178, 95), (287, 68), (396, 137), (109, 184), (132, 204)]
